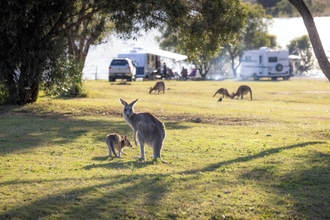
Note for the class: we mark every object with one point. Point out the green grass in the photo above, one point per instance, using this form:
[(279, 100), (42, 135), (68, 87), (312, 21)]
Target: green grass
[(268, 158)]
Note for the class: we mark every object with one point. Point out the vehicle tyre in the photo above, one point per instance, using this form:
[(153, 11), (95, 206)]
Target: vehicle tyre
[(274, 78), (286, 77), (129, 79), (279, 67), (112, 79), (255, 77)]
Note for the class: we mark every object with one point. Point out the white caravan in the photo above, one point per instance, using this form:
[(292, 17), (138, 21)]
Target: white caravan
[(265, 63), (148, 60)]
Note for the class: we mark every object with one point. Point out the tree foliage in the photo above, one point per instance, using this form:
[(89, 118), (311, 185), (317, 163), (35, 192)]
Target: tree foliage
[(283, 7), (204, 31), (302, 47), (26, 31), (253, 36), (32, 31)]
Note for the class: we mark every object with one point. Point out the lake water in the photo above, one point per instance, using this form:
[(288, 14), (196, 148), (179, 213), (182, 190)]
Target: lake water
[(286, 29)]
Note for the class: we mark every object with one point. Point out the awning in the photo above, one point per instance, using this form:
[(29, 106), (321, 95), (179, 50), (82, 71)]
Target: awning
[(167, 54)]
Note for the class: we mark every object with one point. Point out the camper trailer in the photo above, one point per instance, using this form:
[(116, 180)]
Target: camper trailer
[(265, 63), (147, 61)]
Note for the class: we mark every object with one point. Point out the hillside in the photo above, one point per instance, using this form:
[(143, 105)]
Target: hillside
[(324, 14)]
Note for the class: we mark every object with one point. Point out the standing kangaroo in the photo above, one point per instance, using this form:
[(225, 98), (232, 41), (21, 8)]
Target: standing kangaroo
[(147, 129), (242, 90), (118, 142), (222, 91), (158, 87)]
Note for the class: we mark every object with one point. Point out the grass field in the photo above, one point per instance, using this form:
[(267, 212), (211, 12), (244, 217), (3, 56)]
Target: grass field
[(266, 158)]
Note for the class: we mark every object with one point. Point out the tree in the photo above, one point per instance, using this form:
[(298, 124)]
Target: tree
[(79, 39), (26, 46), (313, 36), (301, 47), (208, 26), (268, 4), (286, 7), (31, 32), (253, 36)]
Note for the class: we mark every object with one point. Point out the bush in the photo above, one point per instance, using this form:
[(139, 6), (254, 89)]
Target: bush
[(68, 81)]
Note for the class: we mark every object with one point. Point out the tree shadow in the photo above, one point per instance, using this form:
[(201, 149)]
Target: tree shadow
[(115, 163), (261, 154), (29, 131), (97, 200), (304, 190), (24, 131), (68, 204)]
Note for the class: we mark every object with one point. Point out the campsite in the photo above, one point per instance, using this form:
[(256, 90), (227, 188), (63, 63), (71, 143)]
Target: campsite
[(266, 158)]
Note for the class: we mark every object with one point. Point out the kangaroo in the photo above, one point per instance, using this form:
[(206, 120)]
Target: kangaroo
[(147, 129), (222, 91), (118, 142), (242, 90), (158, 87)]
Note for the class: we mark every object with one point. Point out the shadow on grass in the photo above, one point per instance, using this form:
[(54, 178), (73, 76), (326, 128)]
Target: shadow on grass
[(304, 190), (24, 131), (98, 200), (115, 163), (256, 156), (72, 204)]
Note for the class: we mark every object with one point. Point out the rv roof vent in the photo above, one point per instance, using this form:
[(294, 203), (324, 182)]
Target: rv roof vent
[(133, 51), (137, 48), (263, 48)]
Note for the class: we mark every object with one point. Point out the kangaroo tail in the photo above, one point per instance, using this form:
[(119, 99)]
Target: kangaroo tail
[(112, 148)]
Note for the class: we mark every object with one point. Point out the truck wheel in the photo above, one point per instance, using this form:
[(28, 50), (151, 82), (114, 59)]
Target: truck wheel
[(286, 77), (255, 77), (274, 78), (129, 79), (112, 79)]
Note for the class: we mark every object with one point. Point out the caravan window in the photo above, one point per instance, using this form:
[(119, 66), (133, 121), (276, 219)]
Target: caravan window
[(272, 59), (248, 58)]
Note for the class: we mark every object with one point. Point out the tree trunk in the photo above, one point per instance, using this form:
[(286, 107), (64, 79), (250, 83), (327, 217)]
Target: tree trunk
[(313, 36)]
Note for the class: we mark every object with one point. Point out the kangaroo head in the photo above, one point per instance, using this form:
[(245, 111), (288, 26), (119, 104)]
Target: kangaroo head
[(128, 108), (233, 95), (125, 142), (150, 90)]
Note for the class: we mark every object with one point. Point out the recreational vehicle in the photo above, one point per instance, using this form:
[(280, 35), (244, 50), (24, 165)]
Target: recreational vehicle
[(148, 60), (265, 63)]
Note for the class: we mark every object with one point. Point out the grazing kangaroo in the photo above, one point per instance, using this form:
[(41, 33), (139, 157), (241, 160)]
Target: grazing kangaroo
[(118, 142), (158, 87), (147, 129), (222, 91), (242, 90)]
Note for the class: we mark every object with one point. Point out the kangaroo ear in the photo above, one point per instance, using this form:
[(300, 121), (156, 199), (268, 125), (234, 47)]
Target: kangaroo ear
[(133, 103), (122, 102)]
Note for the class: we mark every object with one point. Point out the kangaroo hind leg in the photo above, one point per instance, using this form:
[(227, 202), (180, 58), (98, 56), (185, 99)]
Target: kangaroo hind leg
[(157, 145)]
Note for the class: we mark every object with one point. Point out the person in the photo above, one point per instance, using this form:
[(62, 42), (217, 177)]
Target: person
[(184, 73), (165, 70)]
